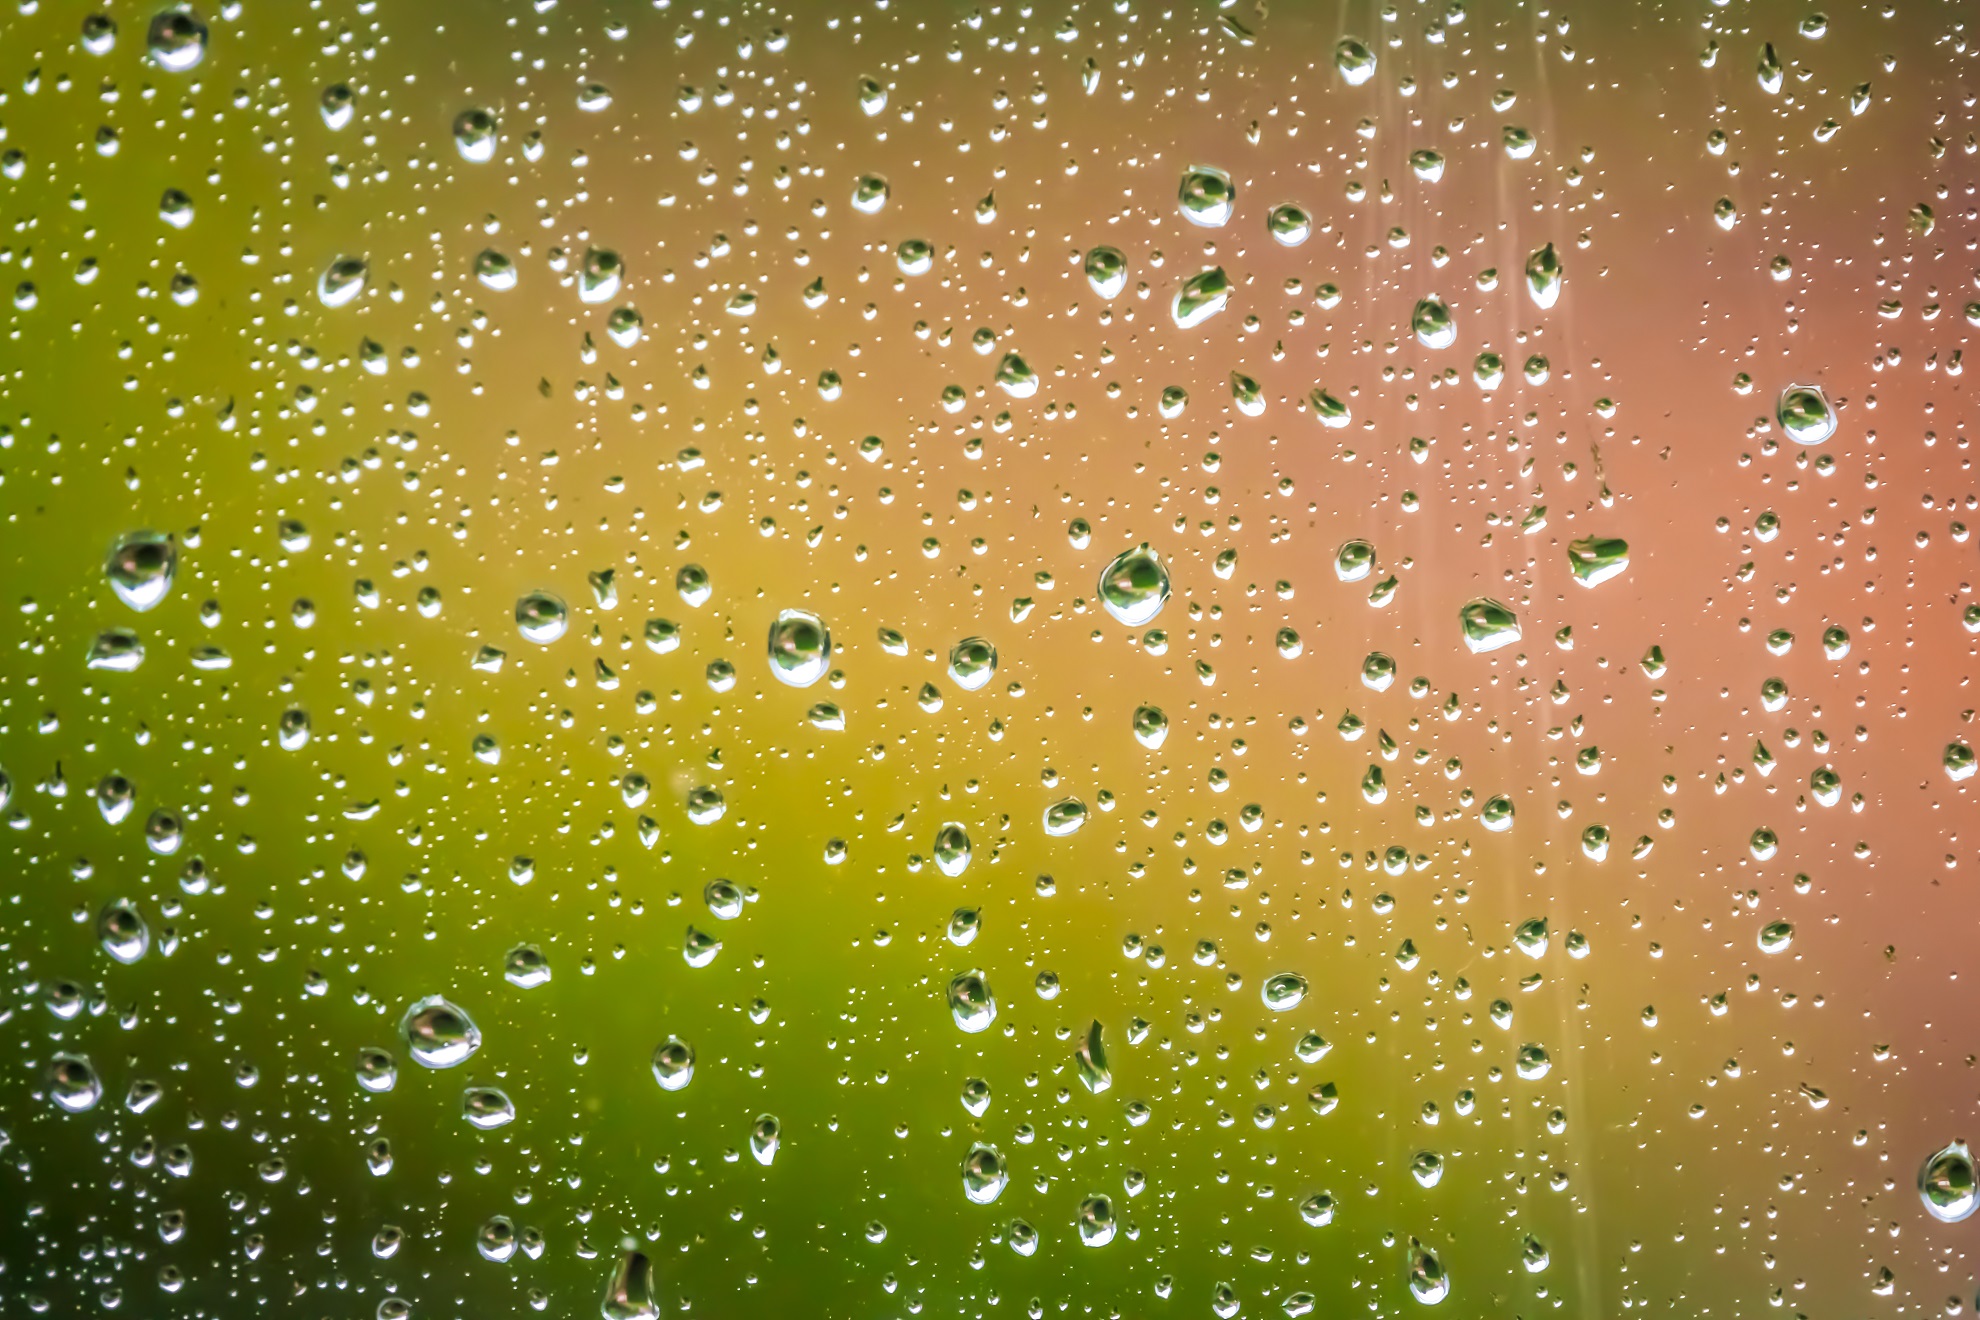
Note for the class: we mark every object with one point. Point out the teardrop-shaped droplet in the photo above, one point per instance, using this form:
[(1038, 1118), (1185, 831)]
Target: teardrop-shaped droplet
[(984, 1174), (1092, 1059), (1946, 1184), (1543, 276)]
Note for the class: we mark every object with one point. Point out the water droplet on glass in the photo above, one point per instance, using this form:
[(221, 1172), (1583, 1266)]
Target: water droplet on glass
[(1596, 559), (377, 1071), (673, 1064), (541, 617), (800, 648), (971, 1003), (73, 1084), (337, 104), (342, 281), (1201, 297), (1284, 991), (1106, 271), (1331, 412), (870, 193), (1354, 561), (1427, 1281), (1066, 816), (525, 967), (1427, 1167), (438, 1034), (764, 1135), (117, 650), (1776, 936), (976, 1097), (983, 1173), (1096, 1221), (951, 850), (629, 1293), (140, 567), (122, 931), (1151, 726), (1135, 586), (1015, 377), (872, 96), (1289, 225), (972, 662), (1207, 196), (964, 926), (1543, 276), (1092, 1059), (1946, 1184), (1488, 625), (475, 135), (496, 1239), (487, 1107), (1427, 165), (176, 40), (1804, 413), (1432, 324), (1355, 61)]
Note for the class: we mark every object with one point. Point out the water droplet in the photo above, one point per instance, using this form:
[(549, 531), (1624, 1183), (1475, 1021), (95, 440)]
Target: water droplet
[(1317, 1210), (1945, 1184), (1331, 412), (800, 648), (1958, 761), (1016, 378), (337, 104), (964, 926), (673, 1064), (1207, 196), (74, 1086), (629, 1294), (487, 1107), (525, 967), (1769, 68), (99, 34), (1427, 1167), (1354, 561), (976, 1097), (1284, 991), (1427, 1281), (176, 40), (764, 1135), (1096, 1221), (971, 1003), (1488, 625), (1427, 165), (496, 1239), (1804, 413), (1378, 671), (1135, 586), (1106, 271), (914, 256), (1532, 1255), (117, 650), (699, 948), (1066, 816), (1201, 297), (599, 276), (495, 270), (438, 1034), (122, 931), (1289, 225), (140, 567), (1431, 321), (951, 850), (1355, 61), (705, 805), (1092, 1059), (1596, 559), (972, 662), (1543, 276), (377, 1071), (1497, 814), (1151, 726), (983, 1173), (475, 135), (541, 617), (872, 96), (1776, 936), (870, 193), (342, 281), (1532, 1063)]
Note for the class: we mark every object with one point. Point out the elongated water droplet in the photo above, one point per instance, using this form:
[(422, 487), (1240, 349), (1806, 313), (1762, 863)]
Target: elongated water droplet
[(764, 1137), (629, 1293), (673, 1064), (1092, 1058), (1066, 816), (73, 1085), (1596, 559), (1284, 991), (983, 1173), (342, 281), (1543, 276), (951, 850), (1201, 297), (1427, 1281)]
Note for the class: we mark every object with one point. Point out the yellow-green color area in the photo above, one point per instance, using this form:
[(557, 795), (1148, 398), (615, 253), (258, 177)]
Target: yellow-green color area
[(1114, 659)]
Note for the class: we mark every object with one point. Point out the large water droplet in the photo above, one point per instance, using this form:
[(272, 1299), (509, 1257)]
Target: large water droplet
[(1355, 61), (800, 648), (1946, 1184), (475, 135), (1201, 297), (1207, 196), (1092, 1059), (1096, 1221), (1427, 1281), (1432, 323), (673, 1064), (983, 1173), (1804, 413), (1543, 276), (342, 281), (74, 1086), (971, 1003), (1106, 271), (1289, 225), (1151, 726), (140, 568), (972, 662), (629, 1294), (1135, 586), (541, 617), (176, 40), (487, 1107), (951, 850), (122, 931), (1596, 559), (1066, 816), (1488, 625), (1283, 991), (438, 1034)]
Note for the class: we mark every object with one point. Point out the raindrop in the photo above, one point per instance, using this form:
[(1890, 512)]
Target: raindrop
[(1289, 225), (1135, 586), (951, 850), (1201, 297), (972, 662), (1207, 196), (438, 1034), (1945, 1183), (1284, 991), (984, 1175), (1355, 61), (629, 1294), (673, 1064), (1596, 559), (342, 281), (1805, 414), (475, 135), (1433, 325), (1106, 271), (176, 40), (122, 931), (541, 617), (1488, 625), (140, 567), (971, 1003), (800, 648), (73, 1086)]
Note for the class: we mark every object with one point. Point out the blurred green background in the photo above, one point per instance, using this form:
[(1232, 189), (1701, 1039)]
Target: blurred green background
[(1717, 1128)]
